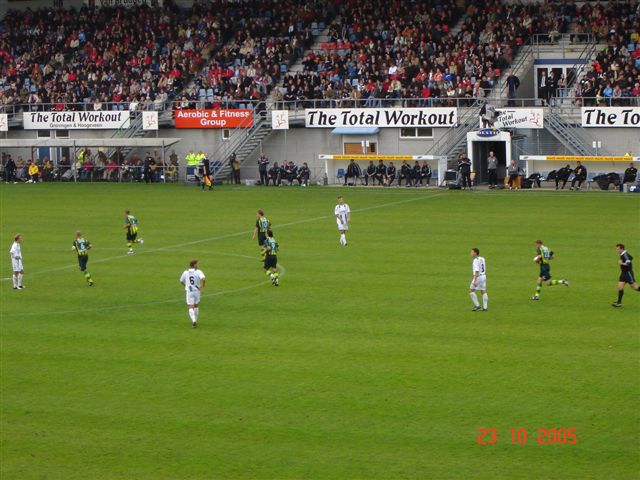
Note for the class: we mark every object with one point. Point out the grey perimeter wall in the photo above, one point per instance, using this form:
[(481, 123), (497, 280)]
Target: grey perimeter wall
[(304, 145)]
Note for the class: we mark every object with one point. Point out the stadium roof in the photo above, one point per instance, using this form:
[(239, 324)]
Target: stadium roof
[(87, 142)]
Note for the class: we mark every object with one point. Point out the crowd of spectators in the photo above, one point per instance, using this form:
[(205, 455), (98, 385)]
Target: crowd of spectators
[(219, 53), (71, 58), (614, 75), (144, 57), (269, 36), (410, 52)]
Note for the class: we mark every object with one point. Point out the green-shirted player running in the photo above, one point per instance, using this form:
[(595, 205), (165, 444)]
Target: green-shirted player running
[(270, 249), (131, 224), (543, 256), (82, 247), (262, 225)]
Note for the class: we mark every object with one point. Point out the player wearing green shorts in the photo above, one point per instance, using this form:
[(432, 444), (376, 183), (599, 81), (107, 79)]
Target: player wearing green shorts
[(543, 256), (270, 249), (131, 224), (82, 247)]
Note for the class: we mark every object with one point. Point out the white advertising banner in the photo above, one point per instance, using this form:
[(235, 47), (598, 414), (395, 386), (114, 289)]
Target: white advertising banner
[(519, 118), (4, 122), (150, 120), (621, 117), (280, 119), (380, 117), (94, 120), (128, 3)]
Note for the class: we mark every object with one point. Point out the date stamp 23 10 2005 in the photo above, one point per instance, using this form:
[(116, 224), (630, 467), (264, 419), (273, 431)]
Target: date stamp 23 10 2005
[(520, 436)]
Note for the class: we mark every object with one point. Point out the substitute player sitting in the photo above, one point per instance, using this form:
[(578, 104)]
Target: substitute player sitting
[(543, 256), (193, 281), (479, 281), (131, 224)]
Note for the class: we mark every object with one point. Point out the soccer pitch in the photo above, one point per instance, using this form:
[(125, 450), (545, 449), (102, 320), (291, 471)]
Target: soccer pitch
[(366, 362)]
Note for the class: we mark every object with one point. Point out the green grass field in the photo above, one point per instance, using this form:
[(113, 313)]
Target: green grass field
[(366, 362)]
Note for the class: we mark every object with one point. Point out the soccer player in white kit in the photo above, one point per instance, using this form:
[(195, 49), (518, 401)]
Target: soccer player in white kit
[(343, 217), (193, 281), (479, 281), (16, 262)]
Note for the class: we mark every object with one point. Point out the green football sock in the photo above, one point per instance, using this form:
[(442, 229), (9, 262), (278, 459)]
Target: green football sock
[(538, 288), (87, 276), (554, 282), (129, 245)]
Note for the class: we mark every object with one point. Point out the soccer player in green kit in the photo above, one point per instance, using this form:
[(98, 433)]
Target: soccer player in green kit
[(270, 249), (82, 247), (131, 224), (262, 225), (543, 257)]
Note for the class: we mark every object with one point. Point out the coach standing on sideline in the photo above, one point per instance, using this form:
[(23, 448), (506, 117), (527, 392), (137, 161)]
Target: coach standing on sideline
[(235, 168), (492, 167), (263, 164), (464, 168)]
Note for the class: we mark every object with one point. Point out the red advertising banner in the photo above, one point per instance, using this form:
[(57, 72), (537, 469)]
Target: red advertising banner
[(231, 118)]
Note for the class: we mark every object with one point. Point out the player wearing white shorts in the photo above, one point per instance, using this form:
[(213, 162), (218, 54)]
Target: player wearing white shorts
[(479, 281), (193, 281), (16, 262), (343, 218)]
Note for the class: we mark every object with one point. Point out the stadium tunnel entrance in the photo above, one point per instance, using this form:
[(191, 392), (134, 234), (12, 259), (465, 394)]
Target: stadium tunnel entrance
[(481, 152), (479, 144)]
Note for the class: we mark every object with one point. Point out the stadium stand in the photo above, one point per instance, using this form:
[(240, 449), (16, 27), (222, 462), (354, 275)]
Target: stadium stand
[(104, 60), (413, 53), (615, 72)]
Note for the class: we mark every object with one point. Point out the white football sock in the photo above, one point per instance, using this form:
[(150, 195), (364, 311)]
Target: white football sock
[(19, 279), (485, 301), (343, 239), (15, 280), (197, 312), (474, 299), (192, 315)]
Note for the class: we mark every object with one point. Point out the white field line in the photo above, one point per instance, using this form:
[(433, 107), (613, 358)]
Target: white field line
[(222, 237), (180, 299)]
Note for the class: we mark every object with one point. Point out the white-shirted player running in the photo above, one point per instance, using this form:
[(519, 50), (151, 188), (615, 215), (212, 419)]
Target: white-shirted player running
[(16, 262), (479, 281), (343, 218), (193, 280)]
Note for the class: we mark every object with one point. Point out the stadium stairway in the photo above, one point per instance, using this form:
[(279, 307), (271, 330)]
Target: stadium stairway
[(135, 130), (454, 141), (297, 67), (571, 135), (244, 142)]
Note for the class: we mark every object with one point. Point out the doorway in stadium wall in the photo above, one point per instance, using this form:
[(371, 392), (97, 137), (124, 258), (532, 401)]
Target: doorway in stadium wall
[(481, 152)]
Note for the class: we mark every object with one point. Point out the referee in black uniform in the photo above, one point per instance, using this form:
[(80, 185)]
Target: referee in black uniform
[(626, 274)]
